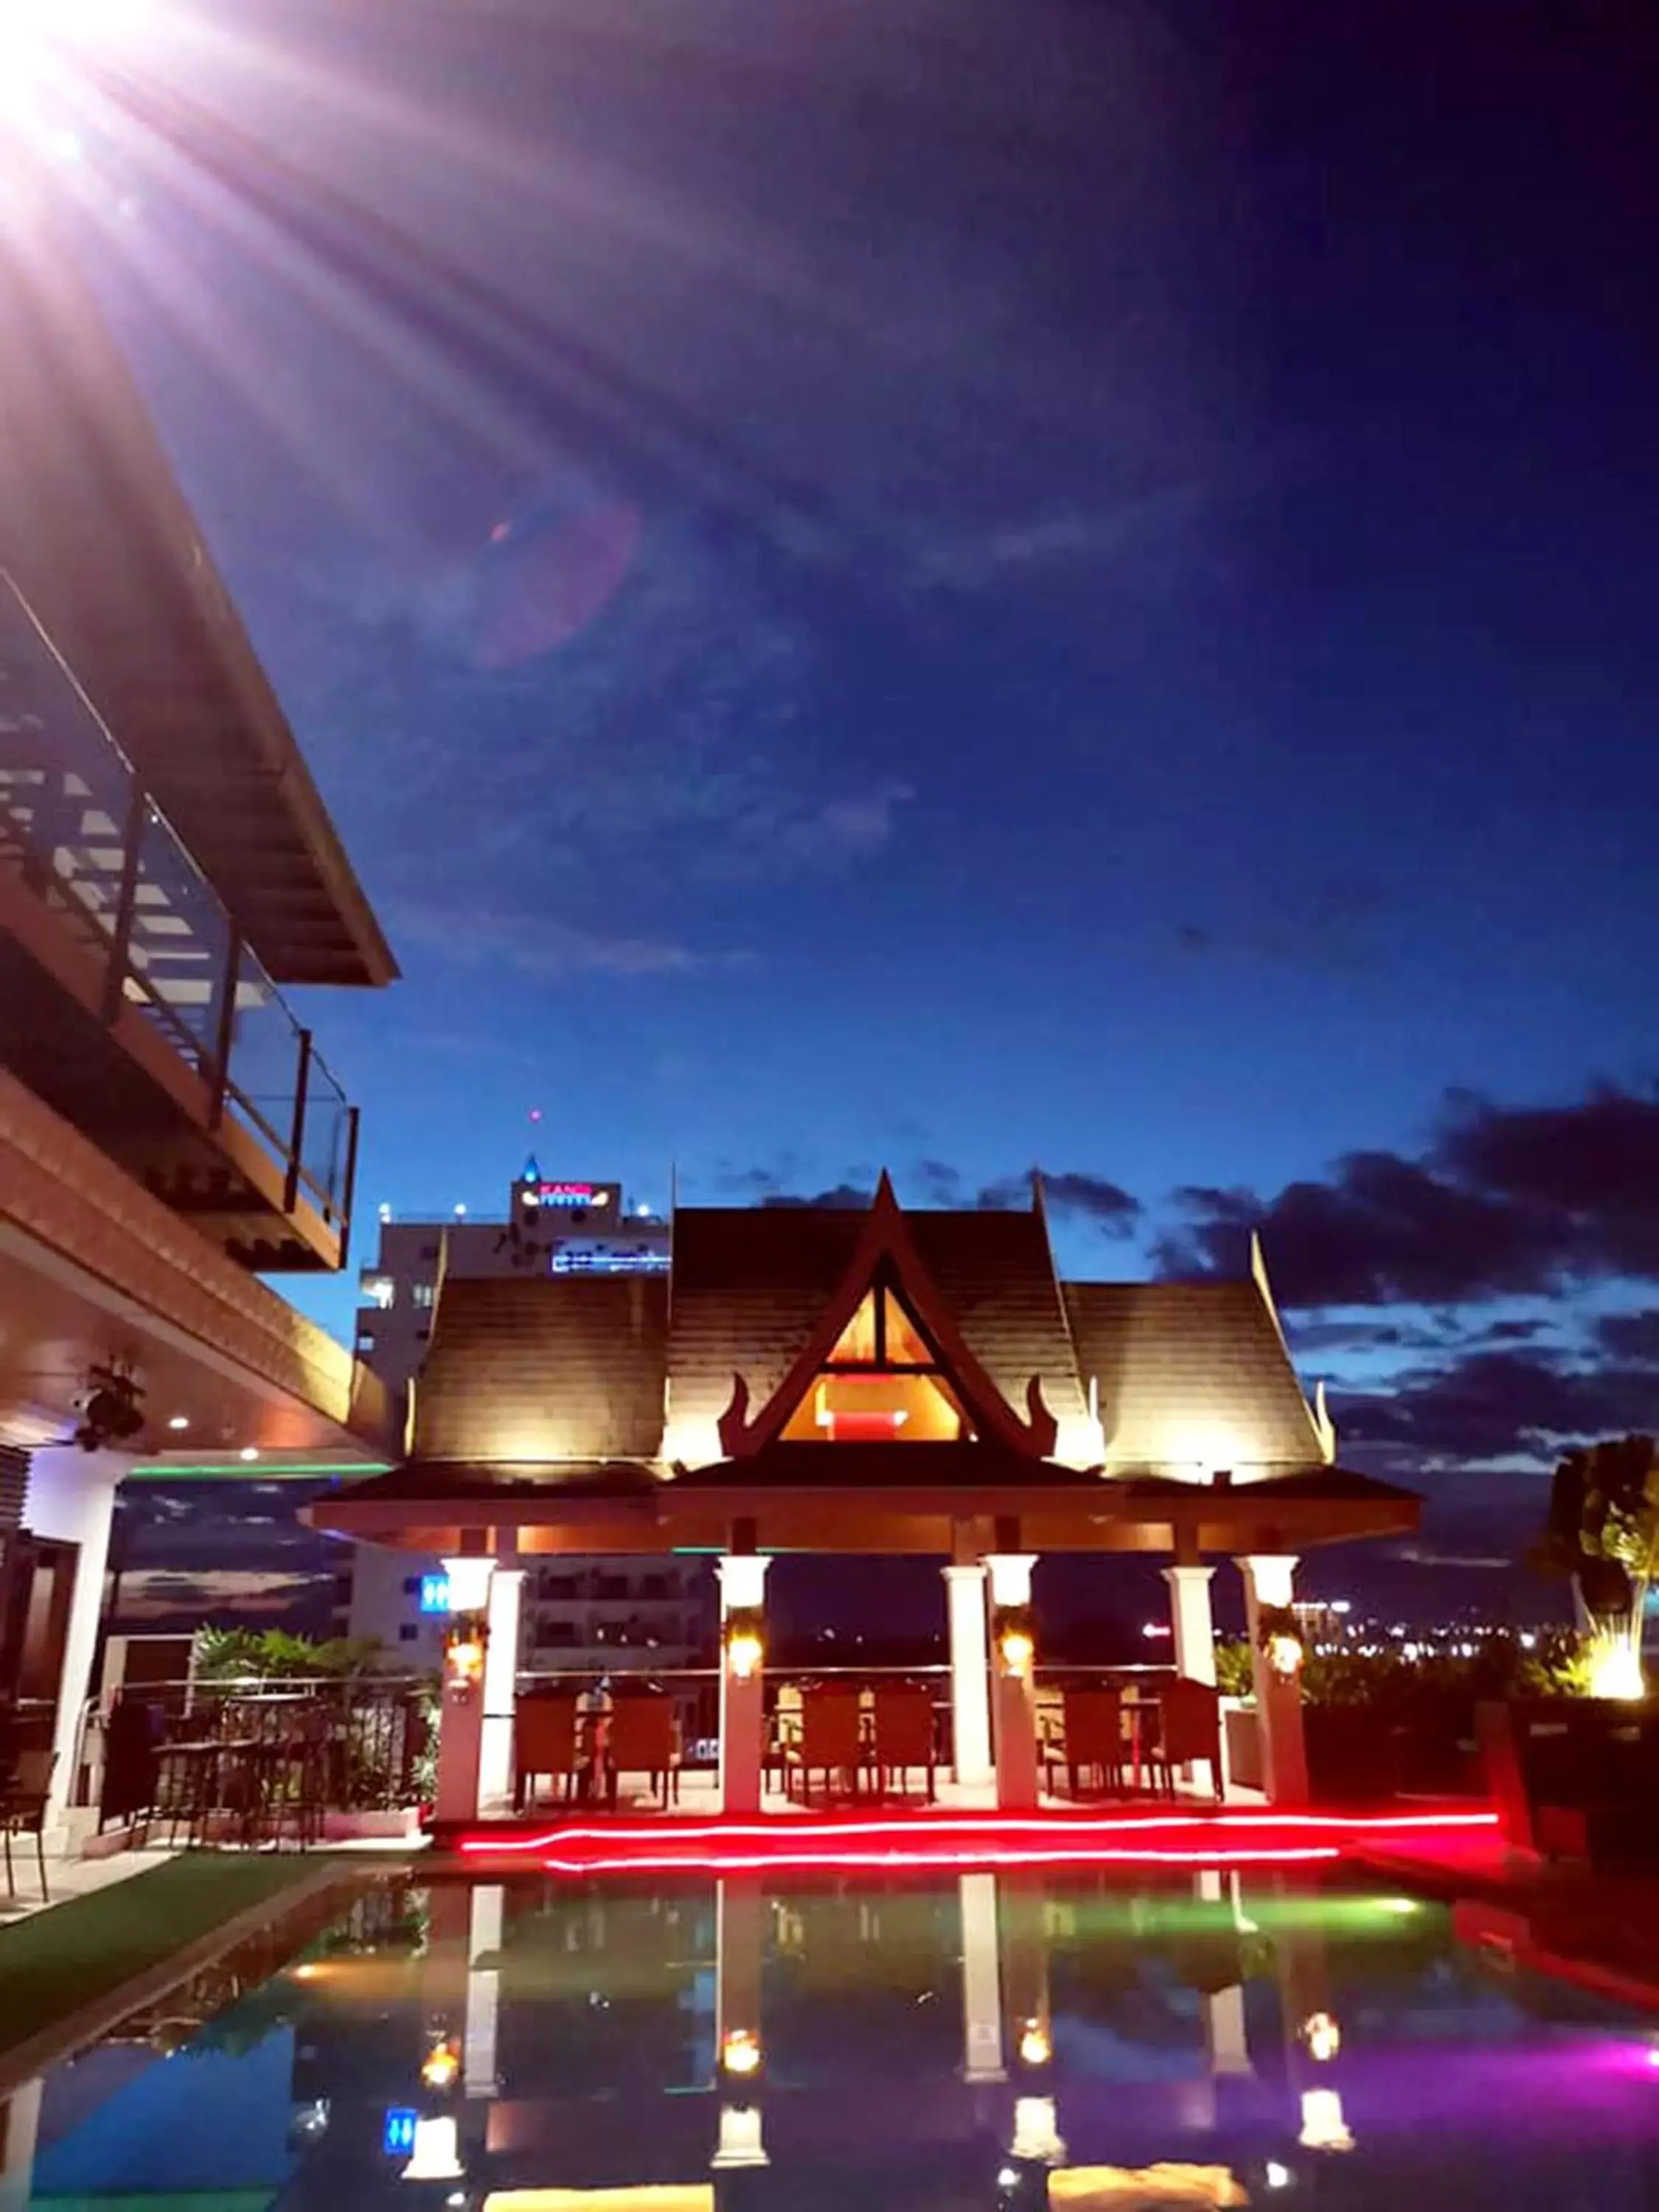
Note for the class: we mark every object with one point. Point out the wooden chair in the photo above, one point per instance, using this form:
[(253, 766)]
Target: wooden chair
[(1189, 1727), (831, 1738), (545, 1742), (644, 1740), (24, 1811), (1093, 1739), (904, 1737)]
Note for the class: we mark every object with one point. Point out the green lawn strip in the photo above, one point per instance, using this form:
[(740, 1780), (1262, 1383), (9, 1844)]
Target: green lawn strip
[(57, 1963)]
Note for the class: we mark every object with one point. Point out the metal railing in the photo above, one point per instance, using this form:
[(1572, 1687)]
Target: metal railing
[(79, 830), (367, 1744)]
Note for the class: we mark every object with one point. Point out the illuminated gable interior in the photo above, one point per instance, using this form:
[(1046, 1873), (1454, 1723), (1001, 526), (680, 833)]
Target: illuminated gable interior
[(881, 1384)]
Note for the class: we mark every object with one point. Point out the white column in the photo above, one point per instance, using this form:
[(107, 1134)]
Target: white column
[(1269, 1580), (970, 1678), (1194, 1623), (981, 1979), (71, 1499), (1015, 1709), (1224, 2033), (460, 1721), (742, 1683), (500, 1688)]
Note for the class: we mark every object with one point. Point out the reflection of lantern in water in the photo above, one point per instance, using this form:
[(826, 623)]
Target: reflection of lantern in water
[(740, 2053), (1322, 2037), (1036, 2046), (441, 2067)]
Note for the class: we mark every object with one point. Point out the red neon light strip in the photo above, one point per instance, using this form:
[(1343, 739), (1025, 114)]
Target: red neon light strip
[(808, 1861), (909, 1830)]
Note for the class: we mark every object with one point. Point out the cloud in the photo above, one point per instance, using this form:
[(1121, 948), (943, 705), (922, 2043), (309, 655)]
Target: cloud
[(1518, 1407), (1502, 1201), (839, 1195), (1631, 1336), (532, 944)]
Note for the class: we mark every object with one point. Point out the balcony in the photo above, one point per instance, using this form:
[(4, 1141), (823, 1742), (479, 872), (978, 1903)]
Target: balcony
[(130, 1001)]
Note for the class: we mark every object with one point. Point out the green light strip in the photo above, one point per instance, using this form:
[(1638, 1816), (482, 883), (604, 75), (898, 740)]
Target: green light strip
[(259, 1470)]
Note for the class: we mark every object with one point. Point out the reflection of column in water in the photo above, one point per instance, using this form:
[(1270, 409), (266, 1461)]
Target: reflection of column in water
[(483, 1989), (1025, 1975), (982, 1979), (740, 1923), (1313, 2035), (20, 2123), (1224, 2033)]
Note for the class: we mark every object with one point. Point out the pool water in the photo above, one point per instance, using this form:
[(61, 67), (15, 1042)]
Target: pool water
[(983, 2041)]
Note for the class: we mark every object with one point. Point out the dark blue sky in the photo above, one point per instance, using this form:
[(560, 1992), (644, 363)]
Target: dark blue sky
[(972, 584)]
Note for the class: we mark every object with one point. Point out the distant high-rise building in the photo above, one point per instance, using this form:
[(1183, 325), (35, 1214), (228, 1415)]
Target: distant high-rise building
[(578, 1614)]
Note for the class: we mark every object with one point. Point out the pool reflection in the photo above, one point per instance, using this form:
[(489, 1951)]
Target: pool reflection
[(994, 2042)]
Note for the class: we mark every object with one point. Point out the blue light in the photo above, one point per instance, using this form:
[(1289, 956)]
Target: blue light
[(398, 2138), (435, 1594)]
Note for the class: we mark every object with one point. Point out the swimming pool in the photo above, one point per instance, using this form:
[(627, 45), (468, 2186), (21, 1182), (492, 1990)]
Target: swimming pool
[(990, 2040)]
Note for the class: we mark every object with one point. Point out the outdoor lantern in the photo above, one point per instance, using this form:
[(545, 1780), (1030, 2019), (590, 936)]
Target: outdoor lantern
[(1036, 2046), (1322, 2037), (744, 1648), (441, 2067), (1278, 1633), (1615, 1671), (1016, 1643), (464, 1657), (740, 2053)]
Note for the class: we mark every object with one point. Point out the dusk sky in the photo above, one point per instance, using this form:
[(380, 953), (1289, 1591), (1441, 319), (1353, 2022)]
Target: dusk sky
[(960, 585)]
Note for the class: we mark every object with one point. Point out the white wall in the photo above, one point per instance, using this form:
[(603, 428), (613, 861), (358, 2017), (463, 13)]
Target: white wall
[(381, 1607), (71, 1497)]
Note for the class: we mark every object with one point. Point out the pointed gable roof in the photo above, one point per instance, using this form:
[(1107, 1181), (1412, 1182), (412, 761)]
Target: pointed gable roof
[(885, 1252)]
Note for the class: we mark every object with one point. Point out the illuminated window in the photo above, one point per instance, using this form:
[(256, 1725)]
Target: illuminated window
[(881, 1384)]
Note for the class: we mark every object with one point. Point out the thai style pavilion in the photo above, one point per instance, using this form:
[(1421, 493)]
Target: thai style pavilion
[(867, 1381)]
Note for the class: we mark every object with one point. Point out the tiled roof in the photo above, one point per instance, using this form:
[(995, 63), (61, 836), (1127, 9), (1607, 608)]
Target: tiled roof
[(749, 1284), (557, 1367), (1190, 1375)]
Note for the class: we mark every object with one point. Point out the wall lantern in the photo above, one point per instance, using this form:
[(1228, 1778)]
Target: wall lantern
[(464, 1657), (744, 1646), (1278, 1633), (1016, 1643)]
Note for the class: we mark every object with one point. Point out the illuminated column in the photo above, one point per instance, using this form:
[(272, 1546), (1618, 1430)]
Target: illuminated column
[(460, 1720), (19, 2126), (1194, 1623), (1013, 1661), (501, 1688), (981, 1979), (1277, 1675), (743, 1685), (971, 1680)]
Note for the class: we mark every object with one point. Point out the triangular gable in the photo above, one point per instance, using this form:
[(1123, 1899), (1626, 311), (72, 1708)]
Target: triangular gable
[(886, 1261)]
